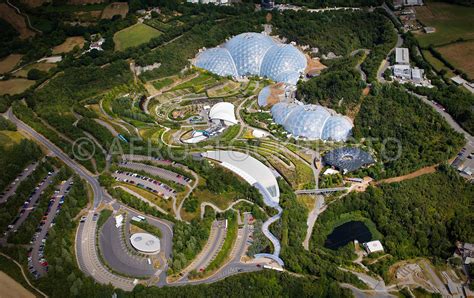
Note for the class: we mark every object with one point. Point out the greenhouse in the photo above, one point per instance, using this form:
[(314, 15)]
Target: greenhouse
[(312, 122), (348, 159), (254, 54)]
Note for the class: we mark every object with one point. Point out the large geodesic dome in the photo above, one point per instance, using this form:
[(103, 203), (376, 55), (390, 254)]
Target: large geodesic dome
[(311, 121), (254, 54)]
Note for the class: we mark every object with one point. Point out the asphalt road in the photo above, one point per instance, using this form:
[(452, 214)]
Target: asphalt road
[(45, 228), (14, 185)]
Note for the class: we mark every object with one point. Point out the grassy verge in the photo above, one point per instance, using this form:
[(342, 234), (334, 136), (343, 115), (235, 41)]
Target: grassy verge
[(104, 215), (147, 227)]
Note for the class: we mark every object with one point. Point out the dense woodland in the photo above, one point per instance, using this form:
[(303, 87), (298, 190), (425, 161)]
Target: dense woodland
[(406, 133), (339, 87), (440, 208)]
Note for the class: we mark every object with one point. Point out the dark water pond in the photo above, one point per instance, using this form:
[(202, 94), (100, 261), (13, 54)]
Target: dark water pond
[(346, 233)]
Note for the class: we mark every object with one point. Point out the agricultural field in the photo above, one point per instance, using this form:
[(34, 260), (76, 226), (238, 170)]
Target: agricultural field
[(460, 56), (134, 36), (15, 86), (437, 64), (451, 22), (8, 64), (16, 21), (116, 8), (69, 44), (23, 73)]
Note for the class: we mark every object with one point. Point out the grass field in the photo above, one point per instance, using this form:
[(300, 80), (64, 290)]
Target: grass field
[(460, 55), (437, 64), (7, 64), (69, 44), (15, 86), (40, 66), (134, 35), (451, 22)]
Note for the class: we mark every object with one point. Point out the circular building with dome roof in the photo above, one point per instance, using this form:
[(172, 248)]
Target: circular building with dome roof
[(254, 54)]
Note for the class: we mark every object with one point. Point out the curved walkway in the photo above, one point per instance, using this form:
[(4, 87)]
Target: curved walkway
[(276, 243), (217, 209)]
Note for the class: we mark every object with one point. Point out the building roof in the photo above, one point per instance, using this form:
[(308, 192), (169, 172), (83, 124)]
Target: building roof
[(311, 121), (145, 242), (254, 54), (373, 246), (402, 56), (251, 170), (223, 111), (347, 159)]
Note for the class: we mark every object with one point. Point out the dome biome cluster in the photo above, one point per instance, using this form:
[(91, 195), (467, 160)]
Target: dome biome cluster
[(313, 122), (254, 54)]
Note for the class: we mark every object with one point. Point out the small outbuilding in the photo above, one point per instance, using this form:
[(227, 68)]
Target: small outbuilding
[(373, 246)]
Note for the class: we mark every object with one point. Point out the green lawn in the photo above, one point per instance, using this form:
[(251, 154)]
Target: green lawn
[(437, 64), (451, 22), (134, 36)]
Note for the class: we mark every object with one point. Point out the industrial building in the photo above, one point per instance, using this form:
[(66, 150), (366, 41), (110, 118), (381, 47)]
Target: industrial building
[(402, 56), (347, 159), (313, 122), (254, 54), (373, 246), (251, 170)]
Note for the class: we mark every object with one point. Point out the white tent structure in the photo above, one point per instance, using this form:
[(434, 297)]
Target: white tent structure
[(223, 111)]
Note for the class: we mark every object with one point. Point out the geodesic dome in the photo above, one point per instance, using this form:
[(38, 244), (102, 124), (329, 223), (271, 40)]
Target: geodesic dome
[(311, 121), (248, 50), (254, 54), (263, 96), (337, 128), (218, 61)]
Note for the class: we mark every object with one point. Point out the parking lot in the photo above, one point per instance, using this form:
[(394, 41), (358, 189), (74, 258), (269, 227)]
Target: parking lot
[(145, 182), (156, 171), (30, 203), (10, 190), (37, 264)]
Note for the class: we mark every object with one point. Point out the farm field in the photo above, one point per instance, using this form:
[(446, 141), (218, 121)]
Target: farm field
[(133, 36), (69, 45), (15, 86), (11, 288), (451, 22), (437, 64), (39, 66), (7, 64), (17, 21), (116, 8), (460, 55)]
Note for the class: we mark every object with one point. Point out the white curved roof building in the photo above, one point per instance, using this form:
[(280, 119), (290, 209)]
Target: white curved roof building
[(313, 122), (223, 111), (251, 170), (145, 243), (254, 54)]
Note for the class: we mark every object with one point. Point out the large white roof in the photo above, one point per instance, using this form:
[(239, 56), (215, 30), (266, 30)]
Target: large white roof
[(223, 111), (251, 170), (145, 242)]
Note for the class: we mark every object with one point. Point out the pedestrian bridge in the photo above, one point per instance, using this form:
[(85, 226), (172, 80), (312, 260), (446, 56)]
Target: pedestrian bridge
[(320, 190)]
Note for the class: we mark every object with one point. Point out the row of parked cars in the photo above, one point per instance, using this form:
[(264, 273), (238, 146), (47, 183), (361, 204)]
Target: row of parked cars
[(17, 180), (41, 226), (144, 178), (27, 204)]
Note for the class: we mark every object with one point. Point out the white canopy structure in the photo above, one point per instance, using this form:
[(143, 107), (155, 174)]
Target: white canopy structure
[(145, 243), (251, 170), (223, 111)]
